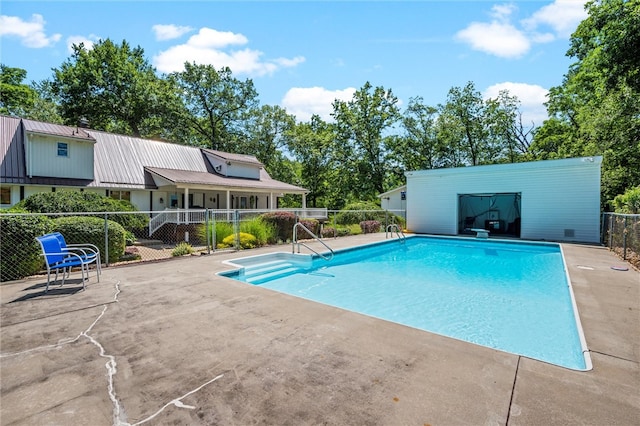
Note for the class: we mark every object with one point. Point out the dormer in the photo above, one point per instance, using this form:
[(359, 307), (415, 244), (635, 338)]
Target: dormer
[(58, 151), (234, 165)]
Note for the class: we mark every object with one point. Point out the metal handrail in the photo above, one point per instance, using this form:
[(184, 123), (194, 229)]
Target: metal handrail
[(295, 241), (395, 228)]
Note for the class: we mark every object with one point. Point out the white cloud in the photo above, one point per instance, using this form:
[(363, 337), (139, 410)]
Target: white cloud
[(169, 32), (531, 96), (212, 47), (303, 102), (31, 33), (88, 41), (502, 38), (496, 38), (563, 16)]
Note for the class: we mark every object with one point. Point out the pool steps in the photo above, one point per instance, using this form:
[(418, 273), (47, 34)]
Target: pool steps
[(260, 273)]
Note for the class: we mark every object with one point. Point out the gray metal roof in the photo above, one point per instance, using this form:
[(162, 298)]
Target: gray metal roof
[(215, 180), (31, 126), (242, 158), (125, 161)]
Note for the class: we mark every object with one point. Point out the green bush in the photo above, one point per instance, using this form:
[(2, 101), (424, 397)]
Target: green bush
[(182, 249), (223, 230), (81, 229), (282, 222), (264, 232), (84, 202), (19, 249), (355, 213), (629, 202), (247, 241)]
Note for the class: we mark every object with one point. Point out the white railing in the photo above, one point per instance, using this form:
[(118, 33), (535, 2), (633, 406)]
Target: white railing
[(177, 217)]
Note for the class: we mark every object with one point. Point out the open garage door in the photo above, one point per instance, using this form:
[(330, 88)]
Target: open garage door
[(498, 213)]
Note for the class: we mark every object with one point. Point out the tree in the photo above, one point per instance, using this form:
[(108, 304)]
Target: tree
[(310, 143), (466, 126), (419, 147), (266, 130), (362, 124), (596, 110), (16, 98), (215, 105), (113, 87)]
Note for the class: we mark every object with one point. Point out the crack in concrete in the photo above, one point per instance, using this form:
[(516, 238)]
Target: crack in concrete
[(119, 417), (177, 402)]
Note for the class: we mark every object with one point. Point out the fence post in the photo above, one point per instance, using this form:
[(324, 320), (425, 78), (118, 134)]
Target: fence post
[(624, 239), (106, 238), (610, 231), (236, 227), (206, 230)]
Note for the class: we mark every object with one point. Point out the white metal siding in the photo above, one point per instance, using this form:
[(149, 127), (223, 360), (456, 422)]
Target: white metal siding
[(557, 195), (43, 159)]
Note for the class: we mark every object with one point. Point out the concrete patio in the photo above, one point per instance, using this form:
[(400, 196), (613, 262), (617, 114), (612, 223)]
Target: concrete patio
[(172, 343)]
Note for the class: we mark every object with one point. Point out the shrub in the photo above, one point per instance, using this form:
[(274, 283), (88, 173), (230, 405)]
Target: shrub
[(82, 229), (19, 250), (629, 202), (84, 202), (282, 222), (247, 241), (182, 249), (370, 226), (264, 232), (355, 213), (312, 225), (328, 231)]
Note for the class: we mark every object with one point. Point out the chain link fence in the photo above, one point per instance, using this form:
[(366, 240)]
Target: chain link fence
[(127, 237), (621, 233)]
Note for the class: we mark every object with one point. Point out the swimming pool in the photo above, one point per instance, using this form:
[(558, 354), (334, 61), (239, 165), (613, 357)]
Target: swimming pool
[(511, 296)]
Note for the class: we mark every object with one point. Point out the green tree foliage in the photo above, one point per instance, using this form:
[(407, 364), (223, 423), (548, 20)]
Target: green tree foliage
[(629, 202), (113, 87), (596, 110), (362, 129), (266, 138), (19, 250), (310, 143), (84, 202), (464, 126), (215, 105), (16, 98)]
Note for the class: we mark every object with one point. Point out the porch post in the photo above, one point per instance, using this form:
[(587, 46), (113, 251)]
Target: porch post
[(271, 203), (304, 200), (186, 198), (229, 206)]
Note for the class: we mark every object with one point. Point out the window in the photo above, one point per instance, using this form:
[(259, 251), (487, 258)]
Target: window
[(120, 195), (63, 149), (5, 195)]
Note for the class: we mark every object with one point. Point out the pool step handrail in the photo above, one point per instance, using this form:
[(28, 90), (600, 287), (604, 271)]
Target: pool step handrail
[(315, 237), (394, 228)]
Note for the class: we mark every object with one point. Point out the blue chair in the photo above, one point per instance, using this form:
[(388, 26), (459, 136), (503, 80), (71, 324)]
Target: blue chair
[(57, 259), (88, 252)]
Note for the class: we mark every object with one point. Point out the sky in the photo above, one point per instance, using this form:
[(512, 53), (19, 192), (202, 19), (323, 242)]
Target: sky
[(302, 55)]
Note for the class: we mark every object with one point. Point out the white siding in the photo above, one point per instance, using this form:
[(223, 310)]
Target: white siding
[(43, 158), (559, 197), (243, 171)]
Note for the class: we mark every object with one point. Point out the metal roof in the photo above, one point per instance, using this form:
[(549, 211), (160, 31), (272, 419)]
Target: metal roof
[(31, 126), (125, 161), (215, 180), (242, 158)]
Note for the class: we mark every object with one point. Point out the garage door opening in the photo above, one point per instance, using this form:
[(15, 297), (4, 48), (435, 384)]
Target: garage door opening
[(497, 213)]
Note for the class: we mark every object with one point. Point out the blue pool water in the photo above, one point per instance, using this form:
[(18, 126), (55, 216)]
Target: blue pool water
[(509, 296)]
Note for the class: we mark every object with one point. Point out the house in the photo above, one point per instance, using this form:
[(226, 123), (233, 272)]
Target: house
[(395, 199), (556, 200), (152, 175)]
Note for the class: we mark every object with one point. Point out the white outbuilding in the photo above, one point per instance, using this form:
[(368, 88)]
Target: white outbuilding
[(556, 200)]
